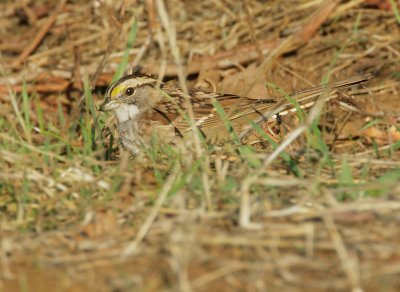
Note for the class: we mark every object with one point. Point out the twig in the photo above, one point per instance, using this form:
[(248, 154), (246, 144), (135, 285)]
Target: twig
[(131, 247), (225, 59), (250, 180), (296, 41), (110, 47), (171, 33), (252, 30), (248, 53), (40, 35), (348, 263)]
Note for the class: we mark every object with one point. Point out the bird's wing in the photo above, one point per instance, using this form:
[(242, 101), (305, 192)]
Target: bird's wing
[(239, 110)]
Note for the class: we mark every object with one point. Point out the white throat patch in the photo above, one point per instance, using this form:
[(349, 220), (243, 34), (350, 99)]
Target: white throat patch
[(126, 112)]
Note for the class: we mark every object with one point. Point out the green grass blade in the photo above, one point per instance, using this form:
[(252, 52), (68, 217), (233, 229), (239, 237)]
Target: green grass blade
[(122, 65), (26, 111), (395, 10), (226, 121), (61, 116), (286, 157), (90, 109), (245, 151), (300, 112)]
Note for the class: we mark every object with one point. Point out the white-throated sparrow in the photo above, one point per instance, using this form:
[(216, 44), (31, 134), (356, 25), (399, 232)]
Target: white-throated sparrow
[(143, 107)]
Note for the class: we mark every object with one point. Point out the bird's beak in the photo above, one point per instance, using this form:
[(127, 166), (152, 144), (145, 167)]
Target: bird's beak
[(109, 105)]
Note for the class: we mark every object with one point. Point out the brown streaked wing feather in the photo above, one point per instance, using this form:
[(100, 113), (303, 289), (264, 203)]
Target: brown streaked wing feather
[(172, 108), (307, 98), (233, 105), (237, 107), (309, 95)]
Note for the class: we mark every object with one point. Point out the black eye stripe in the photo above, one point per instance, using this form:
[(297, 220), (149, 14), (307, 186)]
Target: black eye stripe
[(129, 91)]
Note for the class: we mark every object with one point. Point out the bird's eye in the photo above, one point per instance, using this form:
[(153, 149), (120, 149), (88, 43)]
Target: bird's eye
[(129, 91)]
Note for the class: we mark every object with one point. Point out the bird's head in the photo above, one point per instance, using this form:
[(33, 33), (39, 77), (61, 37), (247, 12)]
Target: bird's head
[(129, 96)]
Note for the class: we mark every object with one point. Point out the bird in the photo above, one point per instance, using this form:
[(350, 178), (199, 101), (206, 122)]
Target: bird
[(143, 107)]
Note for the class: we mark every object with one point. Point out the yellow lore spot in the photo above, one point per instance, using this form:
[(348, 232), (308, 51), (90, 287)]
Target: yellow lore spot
[(117, 90)]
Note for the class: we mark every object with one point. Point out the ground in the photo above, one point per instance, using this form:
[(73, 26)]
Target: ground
[(312, 212)]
